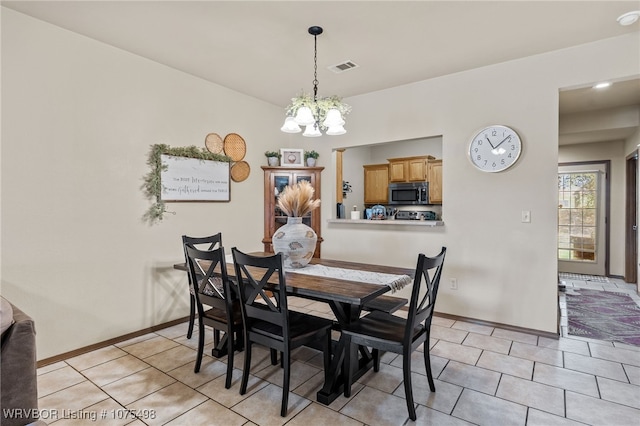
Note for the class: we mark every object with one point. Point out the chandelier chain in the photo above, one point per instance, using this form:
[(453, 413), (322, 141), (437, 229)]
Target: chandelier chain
[(315, 68), (314, 113)]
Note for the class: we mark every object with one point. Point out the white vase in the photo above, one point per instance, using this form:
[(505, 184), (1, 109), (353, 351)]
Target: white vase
[(296, 241), (311, 162), (272, 161)]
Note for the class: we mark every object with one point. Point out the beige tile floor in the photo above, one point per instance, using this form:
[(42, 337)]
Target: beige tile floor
[(484, 376)]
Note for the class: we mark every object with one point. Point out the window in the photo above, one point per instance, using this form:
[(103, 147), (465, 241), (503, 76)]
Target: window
[(577, 216)]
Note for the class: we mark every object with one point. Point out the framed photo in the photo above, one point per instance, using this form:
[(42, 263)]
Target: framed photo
[(291, 157)]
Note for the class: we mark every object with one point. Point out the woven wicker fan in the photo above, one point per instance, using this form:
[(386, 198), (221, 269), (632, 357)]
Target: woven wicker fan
[(240, 171), (213, 142), (234, 146)]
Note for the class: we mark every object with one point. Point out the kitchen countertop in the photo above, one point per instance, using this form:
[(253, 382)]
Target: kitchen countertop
[(387, 222)]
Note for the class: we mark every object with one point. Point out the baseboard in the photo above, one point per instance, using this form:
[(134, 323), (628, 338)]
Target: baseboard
[(546, 334), (76, 352), (155, 328)]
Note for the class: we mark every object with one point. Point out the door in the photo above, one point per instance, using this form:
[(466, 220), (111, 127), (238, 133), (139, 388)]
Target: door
[(582, 218), (631, 220)]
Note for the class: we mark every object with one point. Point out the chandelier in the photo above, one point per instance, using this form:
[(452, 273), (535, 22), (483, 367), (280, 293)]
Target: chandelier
[(315, 113)]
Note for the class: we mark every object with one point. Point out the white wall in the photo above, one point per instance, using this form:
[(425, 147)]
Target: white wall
[(506, 270), (78, 120), (613, 151)]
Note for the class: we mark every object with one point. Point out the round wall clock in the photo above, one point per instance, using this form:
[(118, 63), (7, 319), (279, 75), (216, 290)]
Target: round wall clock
[(495, 148)]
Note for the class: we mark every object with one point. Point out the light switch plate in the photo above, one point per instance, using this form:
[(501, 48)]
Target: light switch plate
[(526, 216)]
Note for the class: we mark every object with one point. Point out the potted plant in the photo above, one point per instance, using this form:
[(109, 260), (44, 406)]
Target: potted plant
[(311, 157), (273, 158)]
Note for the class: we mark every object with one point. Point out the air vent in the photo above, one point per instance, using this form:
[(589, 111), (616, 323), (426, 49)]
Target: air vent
[(344, 66)]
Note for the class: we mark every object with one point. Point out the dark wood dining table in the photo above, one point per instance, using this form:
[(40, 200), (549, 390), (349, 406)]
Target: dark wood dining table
[(347, 300)]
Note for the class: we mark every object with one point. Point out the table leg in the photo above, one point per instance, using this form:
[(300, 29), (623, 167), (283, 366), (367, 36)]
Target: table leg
[(334, 386)]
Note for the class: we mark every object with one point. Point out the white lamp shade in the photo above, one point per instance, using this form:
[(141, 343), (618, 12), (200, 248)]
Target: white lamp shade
[(304, 116), (336, 130), (312, 131), (290, 126), (333, 118)]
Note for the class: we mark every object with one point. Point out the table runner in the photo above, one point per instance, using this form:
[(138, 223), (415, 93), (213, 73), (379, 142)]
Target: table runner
[(395, 282)]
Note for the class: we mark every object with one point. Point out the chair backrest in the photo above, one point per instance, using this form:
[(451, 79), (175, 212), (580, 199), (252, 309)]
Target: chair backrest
[(256, 277), (207, 271), (203, 243), (421, 306), (211, 242)]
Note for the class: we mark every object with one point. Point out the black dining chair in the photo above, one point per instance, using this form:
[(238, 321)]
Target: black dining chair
[(213, 288), (385, 332), (267, 319), (206, 243)]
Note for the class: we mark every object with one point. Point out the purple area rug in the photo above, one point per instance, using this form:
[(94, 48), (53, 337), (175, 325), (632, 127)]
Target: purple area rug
[(603, 315)]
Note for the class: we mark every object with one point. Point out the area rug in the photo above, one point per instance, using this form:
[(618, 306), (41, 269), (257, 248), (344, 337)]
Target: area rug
[(603, 315), (582, 277)]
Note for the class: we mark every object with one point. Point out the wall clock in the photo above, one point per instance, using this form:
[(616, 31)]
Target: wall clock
[(495, 148)]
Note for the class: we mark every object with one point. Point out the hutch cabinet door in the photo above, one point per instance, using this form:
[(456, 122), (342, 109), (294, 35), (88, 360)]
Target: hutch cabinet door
[(275, 180)]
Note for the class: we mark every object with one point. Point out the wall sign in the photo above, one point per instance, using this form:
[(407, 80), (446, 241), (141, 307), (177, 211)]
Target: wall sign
[(192, 179)]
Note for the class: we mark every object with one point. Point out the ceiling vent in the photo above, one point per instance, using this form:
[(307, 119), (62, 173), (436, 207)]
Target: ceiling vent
[(344, 66)]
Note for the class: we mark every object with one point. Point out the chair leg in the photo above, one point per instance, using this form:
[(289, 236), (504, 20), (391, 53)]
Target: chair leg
[(427, 366), (192, 315), (247, 367), (200, 346), (230, 353), (408, 390), (274, 356), (286, 361)]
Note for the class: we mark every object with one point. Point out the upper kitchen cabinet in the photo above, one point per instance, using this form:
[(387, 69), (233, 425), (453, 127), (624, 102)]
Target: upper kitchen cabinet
[(409, 169), (376, 183), (434, 177)]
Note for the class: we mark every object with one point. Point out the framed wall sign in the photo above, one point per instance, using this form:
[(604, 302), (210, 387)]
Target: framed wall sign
[(192, 179), (291, 157)]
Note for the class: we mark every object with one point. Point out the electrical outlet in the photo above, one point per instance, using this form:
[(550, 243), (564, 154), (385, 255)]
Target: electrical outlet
[(453, 284), (526, 216)]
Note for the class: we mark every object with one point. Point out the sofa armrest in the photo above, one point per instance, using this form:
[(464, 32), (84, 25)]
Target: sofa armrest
[(18, 375)]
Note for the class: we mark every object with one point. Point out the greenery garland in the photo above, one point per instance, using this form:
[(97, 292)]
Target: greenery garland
[(319, 107), (152, 185)]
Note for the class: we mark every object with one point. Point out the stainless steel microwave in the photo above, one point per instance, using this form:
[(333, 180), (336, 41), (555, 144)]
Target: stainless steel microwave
[(411, 193)]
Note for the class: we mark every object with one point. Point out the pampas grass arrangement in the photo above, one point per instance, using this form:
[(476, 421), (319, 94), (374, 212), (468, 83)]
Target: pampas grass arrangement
[(297, 200)]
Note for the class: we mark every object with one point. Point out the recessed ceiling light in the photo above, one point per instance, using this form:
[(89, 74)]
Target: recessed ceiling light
[(629, 18), (602, 85)]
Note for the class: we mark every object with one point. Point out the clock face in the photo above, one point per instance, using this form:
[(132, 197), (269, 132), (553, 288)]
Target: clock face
[(495, 148)]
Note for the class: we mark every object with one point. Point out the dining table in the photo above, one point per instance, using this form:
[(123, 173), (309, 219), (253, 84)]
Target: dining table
[(347, 299)]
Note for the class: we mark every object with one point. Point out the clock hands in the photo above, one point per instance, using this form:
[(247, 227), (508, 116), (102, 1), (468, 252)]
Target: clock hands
[(496, 151), (489, 140), (503, 141)]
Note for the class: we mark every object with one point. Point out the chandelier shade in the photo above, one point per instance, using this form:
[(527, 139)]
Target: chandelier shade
[(290, 126), (317, 114)]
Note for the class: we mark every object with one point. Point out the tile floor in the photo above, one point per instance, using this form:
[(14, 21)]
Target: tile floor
[(484, 376)]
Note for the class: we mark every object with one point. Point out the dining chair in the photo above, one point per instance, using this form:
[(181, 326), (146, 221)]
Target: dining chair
[(210, 242), (386, 332), (213, 288), (267, 319)]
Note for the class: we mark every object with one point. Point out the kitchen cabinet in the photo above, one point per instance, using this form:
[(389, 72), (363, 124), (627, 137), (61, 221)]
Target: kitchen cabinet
[(376, 183), (434, 177), (408, 169), (275, 179)]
